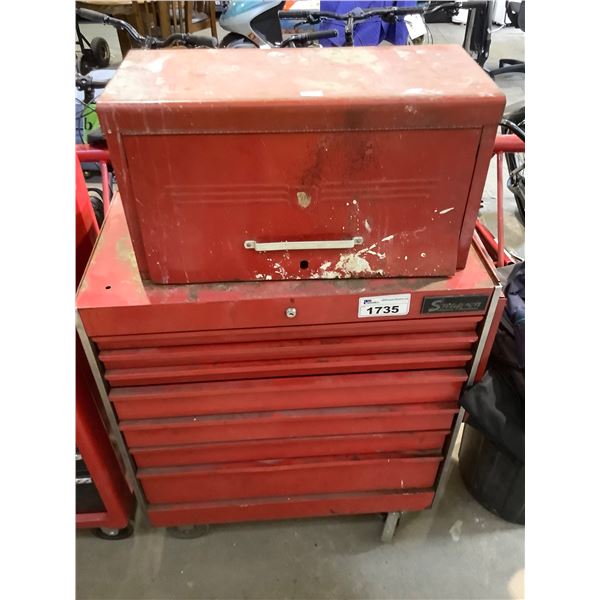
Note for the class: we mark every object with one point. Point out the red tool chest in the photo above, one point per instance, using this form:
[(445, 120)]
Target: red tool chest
[(254, 400), (309, 164)]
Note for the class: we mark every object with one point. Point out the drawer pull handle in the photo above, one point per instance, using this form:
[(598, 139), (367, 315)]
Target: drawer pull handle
[(310, 245), (82, 480)]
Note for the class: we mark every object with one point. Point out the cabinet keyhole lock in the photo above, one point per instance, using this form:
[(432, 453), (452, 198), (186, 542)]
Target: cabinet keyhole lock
[(290, 313)]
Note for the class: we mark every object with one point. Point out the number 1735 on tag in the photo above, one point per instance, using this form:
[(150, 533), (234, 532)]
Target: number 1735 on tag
[(384, 306)]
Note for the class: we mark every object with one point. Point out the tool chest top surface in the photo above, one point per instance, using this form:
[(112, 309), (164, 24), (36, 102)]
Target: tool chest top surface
[(416, 83)]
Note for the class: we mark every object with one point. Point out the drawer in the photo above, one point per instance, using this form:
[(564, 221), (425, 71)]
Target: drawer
[(289, 367), (288, 477), (286, 424), (467, 324), (402, 387), (165, 456), (266, 509), (285, 349), (205, 226)]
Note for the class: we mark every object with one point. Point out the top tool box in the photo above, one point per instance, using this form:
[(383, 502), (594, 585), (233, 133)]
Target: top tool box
[(300, 164)]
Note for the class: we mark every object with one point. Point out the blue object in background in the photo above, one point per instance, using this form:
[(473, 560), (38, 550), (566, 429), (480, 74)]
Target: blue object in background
[(368, 33)]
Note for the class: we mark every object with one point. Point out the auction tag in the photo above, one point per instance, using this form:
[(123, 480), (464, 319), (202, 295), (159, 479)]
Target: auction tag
[(415, 25), (384, 306)]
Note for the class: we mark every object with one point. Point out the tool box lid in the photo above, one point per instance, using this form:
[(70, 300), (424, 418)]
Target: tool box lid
[(300, 89)]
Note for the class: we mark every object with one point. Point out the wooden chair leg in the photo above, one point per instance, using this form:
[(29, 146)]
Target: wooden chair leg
[(164, 19), (124, 42), (213, 20)]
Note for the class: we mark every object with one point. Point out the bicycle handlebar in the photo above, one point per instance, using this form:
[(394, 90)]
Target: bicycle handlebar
[(309, 36), (357, 14), (91, 15), (146, 41)]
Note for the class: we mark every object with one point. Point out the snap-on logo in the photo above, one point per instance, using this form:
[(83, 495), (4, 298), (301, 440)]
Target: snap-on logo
[(445, 304)]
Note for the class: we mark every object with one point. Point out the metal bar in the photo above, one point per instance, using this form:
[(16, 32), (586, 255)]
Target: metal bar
[(98, 519), (105, 186), (500, 208), (491, 245), (85, 153), (482, 250), (445, 469), (508, 143), (310, 245), (389, 527), (484, 333), (115, 432)]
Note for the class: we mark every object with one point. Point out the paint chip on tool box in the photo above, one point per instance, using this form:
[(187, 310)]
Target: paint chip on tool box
[(302, 153)]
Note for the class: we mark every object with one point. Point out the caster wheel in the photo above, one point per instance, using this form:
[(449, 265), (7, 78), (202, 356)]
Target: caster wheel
[(97, 205), (389, 527), (86, 64), (100, 51), (188, 532), (105, 533)]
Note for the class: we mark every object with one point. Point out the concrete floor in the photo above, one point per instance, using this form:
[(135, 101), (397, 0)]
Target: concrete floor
[(456, 550)]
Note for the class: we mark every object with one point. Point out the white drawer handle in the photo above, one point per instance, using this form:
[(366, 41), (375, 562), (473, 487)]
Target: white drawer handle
[(311, 245)]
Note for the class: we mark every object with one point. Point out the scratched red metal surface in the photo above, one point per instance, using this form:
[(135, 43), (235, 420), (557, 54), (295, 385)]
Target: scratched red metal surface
[(113, 299), (265, 509), (214, 149), (288, 477), (289, 423), (403, 387), (360, 363), (285, 349), (327, 445), (387, 327)]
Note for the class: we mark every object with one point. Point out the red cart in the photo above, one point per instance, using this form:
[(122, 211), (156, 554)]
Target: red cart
[(104, 500)]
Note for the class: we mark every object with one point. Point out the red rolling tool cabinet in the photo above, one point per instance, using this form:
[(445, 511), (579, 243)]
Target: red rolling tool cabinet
[(104, 501), (282, 311), (267, 400)]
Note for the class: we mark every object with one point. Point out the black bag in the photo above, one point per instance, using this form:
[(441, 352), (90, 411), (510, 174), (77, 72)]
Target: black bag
[(496, 404)]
